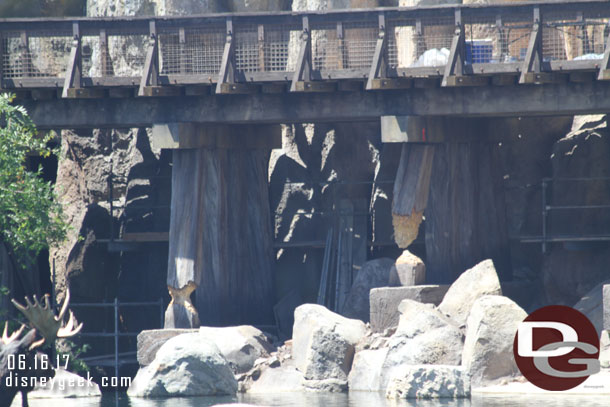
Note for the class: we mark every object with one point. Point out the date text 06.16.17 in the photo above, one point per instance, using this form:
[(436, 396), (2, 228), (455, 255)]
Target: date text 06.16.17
[(41, 361)]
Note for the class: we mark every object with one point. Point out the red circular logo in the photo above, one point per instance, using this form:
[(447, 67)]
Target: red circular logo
[(556, 348)]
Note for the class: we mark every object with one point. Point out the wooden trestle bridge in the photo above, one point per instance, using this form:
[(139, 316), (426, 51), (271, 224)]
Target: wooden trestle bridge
[(475, 60)]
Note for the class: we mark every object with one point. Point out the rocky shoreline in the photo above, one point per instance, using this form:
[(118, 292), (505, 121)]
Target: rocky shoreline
[(461, 346)]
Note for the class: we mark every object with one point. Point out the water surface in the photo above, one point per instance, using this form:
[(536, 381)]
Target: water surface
[(354, 399)]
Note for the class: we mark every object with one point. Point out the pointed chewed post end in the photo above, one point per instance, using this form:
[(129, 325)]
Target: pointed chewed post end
[(181, 313)]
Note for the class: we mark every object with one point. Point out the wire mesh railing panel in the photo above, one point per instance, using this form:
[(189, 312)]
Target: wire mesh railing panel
[(360, 42), (247, 49), (400, 39), (37, 55), (328, 50), (431, 46), (570, 36), (199, 53), (277, 47)]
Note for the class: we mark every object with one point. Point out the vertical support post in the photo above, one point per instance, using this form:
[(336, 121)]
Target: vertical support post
[(150, 76), (457, 56), (74, 71), (227, 66), (533, 58), (544, 213), (379, 65), (304, 66), (116, 337), (261, 47), (341, 63), (182, 42)]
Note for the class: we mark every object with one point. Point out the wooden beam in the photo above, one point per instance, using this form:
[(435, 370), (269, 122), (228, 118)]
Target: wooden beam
[(604, 68), (533, 58), (150, 76), (379, 64), (226, 76), (74, 71), (302, 73), (457, 55)]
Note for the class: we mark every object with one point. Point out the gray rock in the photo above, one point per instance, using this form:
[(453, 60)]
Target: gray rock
[(279, 379), (324, 342), (325, 385), (186, 365), (424, 337), (592, 305), (240, 345), (366, 373), (384, 302), (373, 274), (606, 296), (66, 385), (150, 341), (604, 350), (474, 283), (429, 382), (490, 333), (407, 271)]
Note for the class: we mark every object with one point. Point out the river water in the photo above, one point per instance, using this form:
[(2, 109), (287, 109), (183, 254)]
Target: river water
[(354, 399)]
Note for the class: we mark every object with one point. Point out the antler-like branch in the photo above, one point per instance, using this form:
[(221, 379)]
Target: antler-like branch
[(6, 339), (44, 320)]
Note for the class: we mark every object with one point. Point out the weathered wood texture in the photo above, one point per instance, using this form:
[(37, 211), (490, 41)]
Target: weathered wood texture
[(465, 215), (220, 234), (413, 179)]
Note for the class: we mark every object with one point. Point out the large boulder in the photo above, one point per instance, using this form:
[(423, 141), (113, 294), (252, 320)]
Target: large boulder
[(366, 373), (324, 342), (592, 305), (429, 382), (280, 378), (490, 333), (150, 341), (474, 283), (407, 271), (373, 274), (186, 365), (424, 337), (240, 345), (384, 302)]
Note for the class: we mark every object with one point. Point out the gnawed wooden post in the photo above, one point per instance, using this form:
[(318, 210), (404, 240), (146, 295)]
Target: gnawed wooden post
[(412, 182), (220, 241), (411, 191)]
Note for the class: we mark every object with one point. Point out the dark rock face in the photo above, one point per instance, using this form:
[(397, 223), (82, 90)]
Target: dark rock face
[(572, 269), (140, 204)]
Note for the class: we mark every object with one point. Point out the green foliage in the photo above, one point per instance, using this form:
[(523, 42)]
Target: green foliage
[(69, 350), (30, 216)]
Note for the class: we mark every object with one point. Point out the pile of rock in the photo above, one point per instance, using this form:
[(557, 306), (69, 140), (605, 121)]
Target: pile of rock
[(433, 351)]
